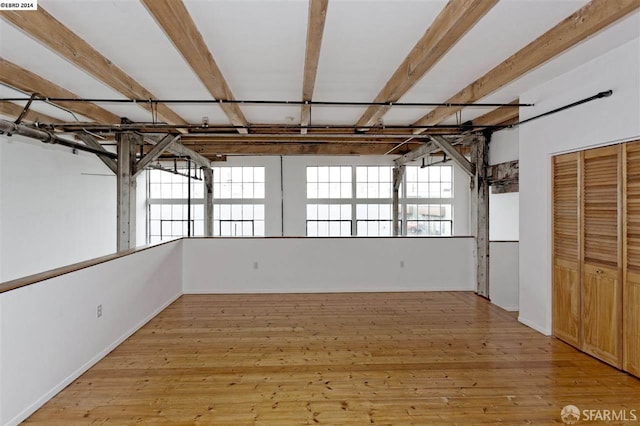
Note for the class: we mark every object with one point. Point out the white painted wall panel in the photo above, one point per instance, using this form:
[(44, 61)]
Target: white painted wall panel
[(57, 208), (308, 265), (503, 273), (504, 216), (50, 332), (503, 213), (597, 123), (504, 146)]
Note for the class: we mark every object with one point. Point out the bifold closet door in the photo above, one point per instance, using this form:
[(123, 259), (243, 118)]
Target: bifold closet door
[(602, 250), (566, 248), (631, 288)]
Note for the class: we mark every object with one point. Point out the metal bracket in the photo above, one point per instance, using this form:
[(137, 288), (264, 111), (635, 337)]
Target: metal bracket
[(25, 110)]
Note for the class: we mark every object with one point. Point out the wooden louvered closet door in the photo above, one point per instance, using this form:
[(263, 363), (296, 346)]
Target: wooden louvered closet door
[(631, 289), (566, 248), (601, 285)]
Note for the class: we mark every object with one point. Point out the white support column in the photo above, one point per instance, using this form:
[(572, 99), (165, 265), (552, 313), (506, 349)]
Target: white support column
[(398, 173), (207, 173), (480, 213), (126, 198)]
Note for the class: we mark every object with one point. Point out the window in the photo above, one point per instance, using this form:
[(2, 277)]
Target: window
[(238, 209), (427, 208), (238, 183), (374, 182), (168, 185), (429, 219), (429, 182), (328, 220), (238, 197), (168, 204), (238, 220), (358, 201), (168, 221), (329, 182), (374, 220), (333, 184)]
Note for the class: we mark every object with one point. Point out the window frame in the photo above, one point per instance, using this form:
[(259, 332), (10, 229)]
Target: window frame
[(404, 199)]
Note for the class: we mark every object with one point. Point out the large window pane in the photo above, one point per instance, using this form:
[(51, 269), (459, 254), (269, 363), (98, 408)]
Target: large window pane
[(238, 183), (373, 220), (329, 182), (429, 182), (429, 219), (373, 181), (168, 202), (328, 220)]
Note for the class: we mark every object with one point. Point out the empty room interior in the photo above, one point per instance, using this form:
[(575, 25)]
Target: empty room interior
[(286, 212)]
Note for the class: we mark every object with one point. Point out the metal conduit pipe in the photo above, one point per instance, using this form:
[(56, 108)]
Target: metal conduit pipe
[(9, 128), (269, 102), (142, 127)]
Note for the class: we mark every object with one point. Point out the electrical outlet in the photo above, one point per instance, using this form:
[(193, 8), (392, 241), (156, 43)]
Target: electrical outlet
[(99, 311), (255, 265), (402, 263)]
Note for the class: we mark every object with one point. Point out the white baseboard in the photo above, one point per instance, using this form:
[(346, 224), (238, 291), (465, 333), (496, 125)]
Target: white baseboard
[(544, 330), (320, 290), (508, 308), (20, 417)]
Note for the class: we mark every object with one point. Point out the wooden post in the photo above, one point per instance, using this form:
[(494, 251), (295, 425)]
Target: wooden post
[(207, 173), (480, 213), (398, 173), (126, 198)]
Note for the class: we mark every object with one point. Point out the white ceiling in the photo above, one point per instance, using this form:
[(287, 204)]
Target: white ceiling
[(260, 48), (505, 29)]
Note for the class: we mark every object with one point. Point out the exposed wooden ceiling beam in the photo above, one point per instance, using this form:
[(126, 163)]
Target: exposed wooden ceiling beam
[(579, 26), (27, 81), (9, 109), (455, 155), (155, 152), (210, 150), (308, 138), (315, 30), (416, 153), (91, 142), (453, 22), (40, 25), (178, 25), (498, 116), (177, 148)]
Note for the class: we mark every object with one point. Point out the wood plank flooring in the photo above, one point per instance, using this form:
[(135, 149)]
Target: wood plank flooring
[(338, 359)]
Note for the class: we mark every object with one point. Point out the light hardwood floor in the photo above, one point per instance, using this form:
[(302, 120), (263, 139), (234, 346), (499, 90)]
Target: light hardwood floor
[(338, 359)]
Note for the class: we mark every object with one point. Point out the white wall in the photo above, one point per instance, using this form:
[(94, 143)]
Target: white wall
[(305, 265), (503, 208), (504, 216), (2, 142), (504, 146), (503, 274), (504, 227), (1, 366), (50, 333), (600, 122), (57, 208)]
